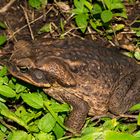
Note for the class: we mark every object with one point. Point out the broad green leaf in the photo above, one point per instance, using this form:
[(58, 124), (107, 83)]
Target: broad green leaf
[(137, 134), (94, 25), (18, 135), (128, 54), (60, 107), (77, 11), (44, 2), (96, 9), (138, 119), (25, 115), (138, 34), (35, 3), (3, 106), (106, 16), (115, 28), (7, 91), (3, 71), (137, 55), (46, 123), (117, 6), (35, 100), (110, 135), (108, 3), (44, 136), (47, 105), (110, 124), (11, 115), (123, 14), (2, 100), (135, 107), (79, 4), (3, 39), (58, 130), (2, 25), (91, 133), (46, 28), (88, 5), (2, 135), (19, 88), (1, 81), (81, 21), (118, 27)]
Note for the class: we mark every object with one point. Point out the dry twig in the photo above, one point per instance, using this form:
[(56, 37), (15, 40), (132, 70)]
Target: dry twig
[(17, 31), (28, 22), (7, 6)]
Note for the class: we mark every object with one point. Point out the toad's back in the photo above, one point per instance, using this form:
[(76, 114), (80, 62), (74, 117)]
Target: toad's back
[(99, 72), (92, 79)]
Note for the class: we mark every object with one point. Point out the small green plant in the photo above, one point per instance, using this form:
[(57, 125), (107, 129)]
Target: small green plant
[(3, 37), (40, 117), (38, 4), (98, 13)]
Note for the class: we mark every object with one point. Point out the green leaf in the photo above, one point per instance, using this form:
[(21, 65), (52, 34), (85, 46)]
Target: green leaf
[(110, 124), (117, 6), (35, 100), (18, 135), (135, 107), (10, 115), (3, 71), (2, 25), (58, 130), (138, 119), (47, 105), (19, 88), (44, 136), (108, 3), (88, 5), (2, 135), (77, 11), (46, 123), (128, 54), (24, 115), (137, 134), (3, 39), (138, 34), (3, 106), (137, 55), (96, 9), (94, 25), (44, 2), (81, 21), (46, 28), (60, 107), (79, 4), (106, 16), (123, 14), (35, 3), (7, 91), (110, 135)]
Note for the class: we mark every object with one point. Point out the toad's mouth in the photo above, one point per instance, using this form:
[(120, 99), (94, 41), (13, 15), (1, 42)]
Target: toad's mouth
[(33, 76)]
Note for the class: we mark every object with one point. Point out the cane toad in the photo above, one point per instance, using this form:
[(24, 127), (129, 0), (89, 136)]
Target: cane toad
[(94, 80)]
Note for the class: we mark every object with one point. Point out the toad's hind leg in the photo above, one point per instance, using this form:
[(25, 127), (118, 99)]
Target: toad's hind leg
[(126, 94), (80, 108)]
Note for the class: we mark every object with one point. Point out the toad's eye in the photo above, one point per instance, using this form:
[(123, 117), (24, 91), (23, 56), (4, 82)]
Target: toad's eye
[(23, 69)]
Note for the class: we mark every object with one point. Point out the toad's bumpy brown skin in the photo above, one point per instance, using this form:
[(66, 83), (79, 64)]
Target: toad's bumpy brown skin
[(94, 80)]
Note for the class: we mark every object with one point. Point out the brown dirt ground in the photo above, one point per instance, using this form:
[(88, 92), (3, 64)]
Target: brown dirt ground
[(19, 28)]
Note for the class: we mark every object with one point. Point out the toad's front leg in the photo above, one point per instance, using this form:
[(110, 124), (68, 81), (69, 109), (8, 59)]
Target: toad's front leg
[(80, 108)]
